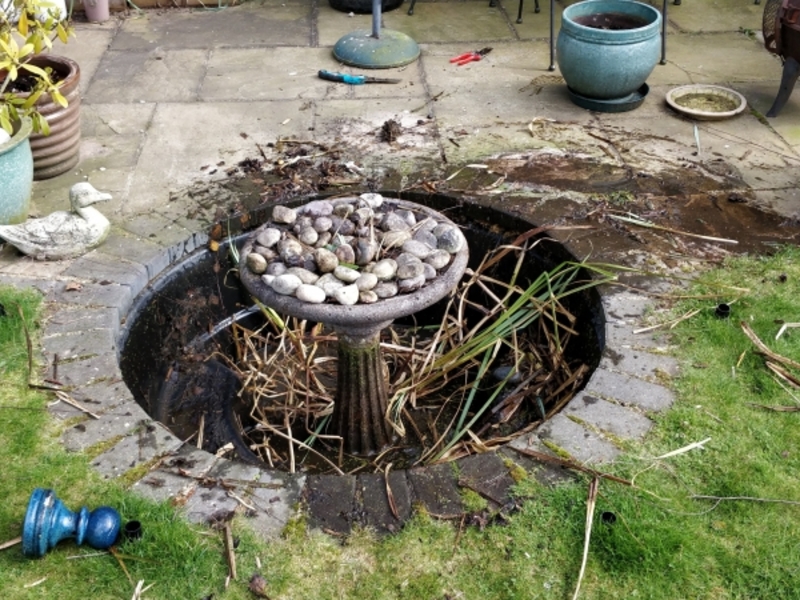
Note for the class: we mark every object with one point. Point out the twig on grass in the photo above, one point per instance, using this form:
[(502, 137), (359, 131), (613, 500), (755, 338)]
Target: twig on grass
[(745, 498), (591, 500), (685, 449), (765, 350), (229, 554), (783, 374), (777, 408), (28, 342), (117, 555), (11, 543), (787, 390), (137, 593), (784, 327), (35, 583)]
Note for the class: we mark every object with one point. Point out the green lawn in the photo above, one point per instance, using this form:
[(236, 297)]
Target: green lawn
[(663, 544)]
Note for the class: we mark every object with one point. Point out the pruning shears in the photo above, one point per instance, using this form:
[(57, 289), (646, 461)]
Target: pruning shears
[(469, 57), (353, 79)]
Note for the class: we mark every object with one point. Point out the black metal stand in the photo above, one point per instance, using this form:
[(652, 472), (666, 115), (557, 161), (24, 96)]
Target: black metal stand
[(791, 69)]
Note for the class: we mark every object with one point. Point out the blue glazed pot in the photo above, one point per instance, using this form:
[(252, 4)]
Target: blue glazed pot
[(16, 175), (608, 63), (48, 521)]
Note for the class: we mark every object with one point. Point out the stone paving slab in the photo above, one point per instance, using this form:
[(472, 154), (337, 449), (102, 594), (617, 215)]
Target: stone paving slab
[(149, 441), (97, 266), (608, 417), (130, 76), (132, 249), (117, 423), (277, 497), (630, 391), (652, 367), (270, 22), (103, 367), (222, 492), (374, 495), (100, 398), (210, 504), (716, 15), (472, 21), (546, 474), (487, 475), (436, 489), (164, 483), (330, 501), (73, 346), (93, 294), (580, 443), (67, 320), (181, 151)]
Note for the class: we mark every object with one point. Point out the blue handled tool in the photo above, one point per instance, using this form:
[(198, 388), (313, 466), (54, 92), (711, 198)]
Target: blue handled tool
[(353, 79)]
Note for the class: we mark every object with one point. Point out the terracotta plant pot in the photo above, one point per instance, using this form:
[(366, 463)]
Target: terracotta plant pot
[(58, 152), (16, 175)]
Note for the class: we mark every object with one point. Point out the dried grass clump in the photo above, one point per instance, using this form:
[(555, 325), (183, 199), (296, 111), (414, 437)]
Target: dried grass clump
[(457, 388)]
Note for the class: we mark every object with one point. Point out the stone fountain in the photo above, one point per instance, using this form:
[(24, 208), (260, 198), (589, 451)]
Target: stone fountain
[(393, 258)]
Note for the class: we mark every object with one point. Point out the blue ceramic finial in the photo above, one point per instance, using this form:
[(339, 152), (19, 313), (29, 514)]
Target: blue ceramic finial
[(48, 521)]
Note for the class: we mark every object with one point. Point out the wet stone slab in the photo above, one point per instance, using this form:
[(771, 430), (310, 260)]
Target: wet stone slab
[(436, 489), (487, 475), (331, 502), (373, 491)]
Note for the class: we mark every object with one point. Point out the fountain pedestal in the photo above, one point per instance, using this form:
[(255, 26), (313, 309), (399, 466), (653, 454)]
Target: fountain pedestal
[(362, 395)]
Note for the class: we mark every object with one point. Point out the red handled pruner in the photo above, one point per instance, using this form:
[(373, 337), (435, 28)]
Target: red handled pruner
[(469, 57)]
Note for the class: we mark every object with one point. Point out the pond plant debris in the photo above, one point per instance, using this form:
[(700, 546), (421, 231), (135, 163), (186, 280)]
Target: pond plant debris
[(462, 386)]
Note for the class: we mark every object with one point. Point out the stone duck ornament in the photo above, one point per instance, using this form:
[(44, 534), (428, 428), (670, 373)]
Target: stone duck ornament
[(63, 234)]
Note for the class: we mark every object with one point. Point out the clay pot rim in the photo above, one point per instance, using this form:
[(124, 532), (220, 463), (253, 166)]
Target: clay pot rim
[(701, 88)]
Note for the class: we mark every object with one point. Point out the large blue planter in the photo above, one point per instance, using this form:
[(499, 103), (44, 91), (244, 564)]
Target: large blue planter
[(16, 175), (607, 64)]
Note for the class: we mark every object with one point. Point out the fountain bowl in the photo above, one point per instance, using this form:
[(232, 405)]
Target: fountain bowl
[(361, 316)]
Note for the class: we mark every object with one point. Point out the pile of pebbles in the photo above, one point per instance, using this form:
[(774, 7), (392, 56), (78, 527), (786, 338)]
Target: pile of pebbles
[(355, 250)]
